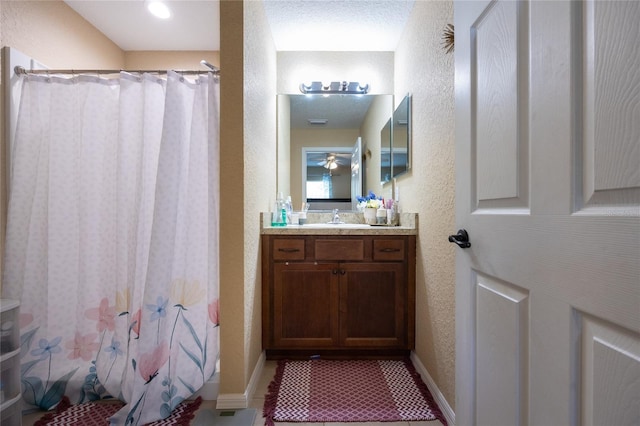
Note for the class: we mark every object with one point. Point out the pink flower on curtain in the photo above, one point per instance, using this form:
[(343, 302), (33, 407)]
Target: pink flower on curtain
[(25, 319), (104, 314), (213, 312), (83, 346), (151, 362)]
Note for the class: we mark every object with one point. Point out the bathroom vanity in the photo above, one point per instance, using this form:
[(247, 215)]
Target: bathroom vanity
[(338, 291)]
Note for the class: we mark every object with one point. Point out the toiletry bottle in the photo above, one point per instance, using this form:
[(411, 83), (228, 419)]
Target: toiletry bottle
[(279, 215), (289, 208), (381, 216)]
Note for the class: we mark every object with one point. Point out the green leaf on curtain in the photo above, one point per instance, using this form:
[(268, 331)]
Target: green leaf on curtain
[(193, 333), (24, 368), (55, 393), (132, 412), (187, 385), (168, 394), (192, 356), (32, 390), (165, 411)]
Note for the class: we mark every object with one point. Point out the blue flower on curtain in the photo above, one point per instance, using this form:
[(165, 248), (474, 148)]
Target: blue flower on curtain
[(159, 310), (38, 392)]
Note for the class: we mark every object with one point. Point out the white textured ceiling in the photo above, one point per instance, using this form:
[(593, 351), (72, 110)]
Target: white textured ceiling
[(337, 25), (296, 25)]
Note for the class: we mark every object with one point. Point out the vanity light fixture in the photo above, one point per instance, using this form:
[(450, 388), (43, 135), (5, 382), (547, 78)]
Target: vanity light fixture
[(335, 87), (158, 9)]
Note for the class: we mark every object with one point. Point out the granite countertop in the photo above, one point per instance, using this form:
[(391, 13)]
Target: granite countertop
[(317, 224)]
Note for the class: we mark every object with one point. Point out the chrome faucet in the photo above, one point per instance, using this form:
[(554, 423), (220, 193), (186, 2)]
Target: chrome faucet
[(336, 217)]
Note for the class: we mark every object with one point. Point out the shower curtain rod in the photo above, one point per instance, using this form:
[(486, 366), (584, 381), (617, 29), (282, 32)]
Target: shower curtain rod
[(21, 70)]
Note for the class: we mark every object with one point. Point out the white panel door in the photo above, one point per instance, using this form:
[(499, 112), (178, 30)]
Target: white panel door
[(548, 189)]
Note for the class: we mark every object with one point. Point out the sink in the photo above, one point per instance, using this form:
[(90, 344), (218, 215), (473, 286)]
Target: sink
[(335, 225)]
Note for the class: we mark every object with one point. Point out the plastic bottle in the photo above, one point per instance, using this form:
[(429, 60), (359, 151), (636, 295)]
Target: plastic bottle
[(289, 209), (279, 214)]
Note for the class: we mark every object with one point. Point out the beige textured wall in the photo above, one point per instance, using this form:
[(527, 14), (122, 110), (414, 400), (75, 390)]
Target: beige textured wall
[(260, 156), (423, 69), (57, 36), (247, 154), (375, 68), (232, 349), (176, 60)]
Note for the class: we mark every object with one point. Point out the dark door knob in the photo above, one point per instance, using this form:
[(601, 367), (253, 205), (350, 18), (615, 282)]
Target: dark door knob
[(461, 239)]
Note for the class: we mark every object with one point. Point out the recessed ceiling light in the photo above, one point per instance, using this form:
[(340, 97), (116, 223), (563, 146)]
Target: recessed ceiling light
[(158, 9)]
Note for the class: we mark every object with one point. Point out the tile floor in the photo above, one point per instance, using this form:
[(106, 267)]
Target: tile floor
[(257, 402)]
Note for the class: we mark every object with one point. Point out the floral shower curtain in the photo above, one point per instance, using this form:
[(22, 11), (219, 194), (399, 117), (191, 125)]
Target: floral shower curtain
[(112, 239)]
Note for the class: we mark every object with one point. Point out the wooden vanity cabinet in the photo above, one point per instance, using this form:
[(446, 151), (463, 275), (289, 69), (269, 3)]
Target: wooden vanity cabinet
[(346, 296)]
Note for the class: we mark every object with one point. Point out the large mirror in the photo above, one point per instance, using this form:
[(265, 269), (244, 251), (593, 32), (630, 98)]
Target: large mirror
[(320, 140), (401, 139)]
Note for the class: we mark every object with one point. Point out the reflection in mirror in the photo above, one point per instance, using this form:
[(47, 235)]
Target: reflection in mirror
[(401, 139), (385, 153), (328, 125), (328, 175)]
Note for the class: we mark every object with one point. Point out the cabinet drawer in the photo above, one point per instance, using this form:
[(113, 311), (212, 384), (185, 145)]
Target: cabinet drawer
[(288, 249), (342, 249), (388, 249)]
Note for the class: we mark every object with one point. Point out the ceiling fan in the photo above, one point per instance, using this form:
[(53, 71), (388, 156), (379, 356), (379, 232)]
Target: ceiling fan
[(330, 162)]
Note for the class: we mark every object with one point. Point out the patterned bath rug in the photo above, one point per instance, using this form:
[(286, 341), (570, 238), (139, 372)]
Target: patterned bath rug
[(348, 391), (98, 413)]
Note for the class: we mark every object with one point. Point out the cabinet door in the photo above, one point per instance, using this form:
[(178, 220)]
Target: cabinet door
[(373, 303), (305, 305)]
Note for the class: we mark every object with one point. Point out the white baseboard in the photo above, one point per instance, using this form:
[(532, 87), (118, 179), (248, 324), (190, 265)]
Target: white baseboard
[(435, 392), (229, 401)]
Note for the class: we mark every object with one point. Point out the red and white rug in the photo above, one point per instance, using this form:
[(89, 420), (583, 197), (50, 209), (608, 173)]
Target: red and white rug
[(98, 414), (348, 391)]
